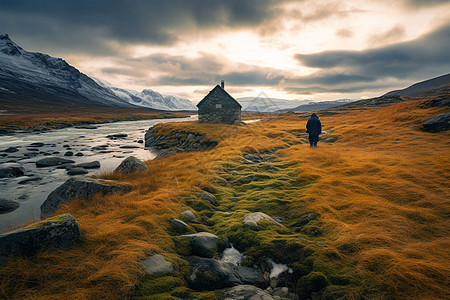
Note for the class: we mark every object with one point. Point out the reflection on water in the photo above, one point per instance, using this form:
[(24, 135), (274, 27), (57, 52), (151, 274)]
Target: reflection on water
[(57, 142)]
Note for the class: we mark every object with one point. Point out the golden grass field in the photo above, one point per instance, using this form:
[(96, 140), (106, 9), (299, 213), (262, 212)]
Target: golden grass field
[(381, 191)]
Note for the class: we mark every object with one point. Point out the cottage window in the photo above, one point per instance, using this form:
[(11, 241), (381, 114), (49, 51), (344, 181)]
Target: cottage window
[(218, 105)]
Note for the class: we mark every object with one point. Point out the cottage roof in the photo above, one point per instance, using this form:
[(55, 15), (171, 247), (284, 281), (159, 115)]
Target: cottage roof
[(220, 90)]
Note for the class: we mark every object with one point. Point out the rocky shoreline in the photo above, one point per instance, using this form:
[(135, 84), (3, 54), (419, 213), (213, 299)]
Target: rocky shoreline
[(180, 141)]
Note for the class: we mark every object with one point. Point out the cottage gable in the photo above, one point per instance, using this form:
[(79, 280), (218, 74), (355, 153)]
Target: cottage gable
[(219, 107)]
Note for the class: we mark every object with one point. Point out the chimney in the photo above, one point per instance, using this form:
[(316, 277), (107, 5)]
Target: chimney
[(222, 84)]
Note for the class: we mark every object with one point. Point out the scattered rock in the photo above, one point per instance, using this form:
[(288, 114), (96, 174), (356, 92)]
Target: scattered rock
[(130, 164), (37, 145), (89, 165), (68, 153), (437, 123), (281, 292), (330, 139), (59, 232), (117, 136), (52, 161), (8, 205), (157, 264), (11, 150), (79, 154), (252, 158), (30, 179), (76, 171), (209, 197), (203, 243), (38, 128), (252, 219), (140, 141), (305, 219), (82, 188), (190, 216), (12, 171), (245, 292), (101, 147), (211, 274), (129, 147), (86, 127)]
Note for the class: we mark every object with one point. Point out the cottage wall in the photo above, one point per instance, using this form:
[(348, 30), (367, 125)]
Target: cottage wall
[(218, 108)]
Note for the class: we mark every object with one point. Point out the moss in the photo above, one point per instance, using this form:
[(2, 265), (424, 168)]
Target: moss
[(182, 246), (312, 283), (49, 221), (154, 285)]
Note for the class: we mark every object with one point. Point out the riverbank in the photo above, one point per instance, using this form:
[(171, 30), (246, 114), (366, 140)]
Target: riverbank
[(64, 117), (362, 216)]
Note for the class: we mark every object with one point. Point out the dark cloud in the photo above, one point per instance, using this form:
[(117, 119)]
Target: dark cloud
[(418, 59), (206, 69), (422, 3), (139, 21)]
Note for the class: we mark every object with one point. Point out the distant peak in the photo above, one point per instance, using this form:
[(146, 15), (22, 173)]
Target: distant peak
[(8, 46)]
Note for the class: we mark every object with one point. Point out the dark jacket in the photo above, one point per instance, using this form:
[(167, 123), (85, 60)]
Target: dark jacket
[(314, 127)]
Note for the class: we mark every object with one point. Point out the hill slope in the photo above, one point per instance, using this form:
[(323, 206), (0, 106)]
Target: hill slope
[(424, 87)]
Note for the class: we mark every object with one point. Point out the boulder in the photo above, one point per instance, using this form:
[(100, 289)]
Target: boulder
[(59, 232), (211, 274), (209, 197), (68, 153), (8, 205), (149, 138), (130, 164), (30, 179), (245, 292), (82, 188), (190, 216), (203, 243), (52, 161), (437, 123), (157, 264), (11, 171), (252, 219), (178, 224)]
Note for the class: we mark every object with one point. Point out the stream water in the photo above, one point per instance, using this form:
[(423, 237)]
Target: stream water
[(39, 182)]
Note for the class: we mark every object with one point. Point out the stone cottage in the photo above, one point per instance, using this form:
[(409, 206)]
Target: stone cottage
[(219, 107)]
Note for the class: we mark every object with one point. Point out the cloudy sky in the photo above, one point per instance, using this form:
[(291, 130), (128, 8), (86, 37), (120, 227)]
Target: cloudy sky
[(304, 49)]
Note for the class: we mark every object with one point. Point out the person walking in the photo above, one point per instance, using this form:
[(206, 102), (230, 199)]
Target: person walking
[(314, 128)]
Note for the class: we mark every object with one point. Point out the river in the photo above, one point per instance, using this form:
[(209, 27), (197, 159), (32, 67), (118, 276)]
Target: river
[(80, 141)]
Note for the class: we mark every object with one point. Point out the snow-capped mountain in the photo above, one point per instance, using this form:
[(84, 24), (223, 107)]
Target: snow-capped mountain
[(42, 77), (264, 104), (149, 98), (39, 77)]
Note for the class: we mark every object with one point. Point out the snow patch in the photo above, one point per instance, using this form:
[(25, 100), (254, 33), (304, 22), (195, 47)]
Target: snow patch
[(277, 269)]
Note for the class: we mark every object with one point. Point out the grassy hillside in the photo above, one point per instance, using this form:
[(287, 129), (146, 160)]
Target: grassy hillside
[(380, 192)]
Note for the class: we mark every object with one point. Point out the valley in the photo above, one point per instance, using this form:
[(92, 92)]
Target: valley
[(363, 216)]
